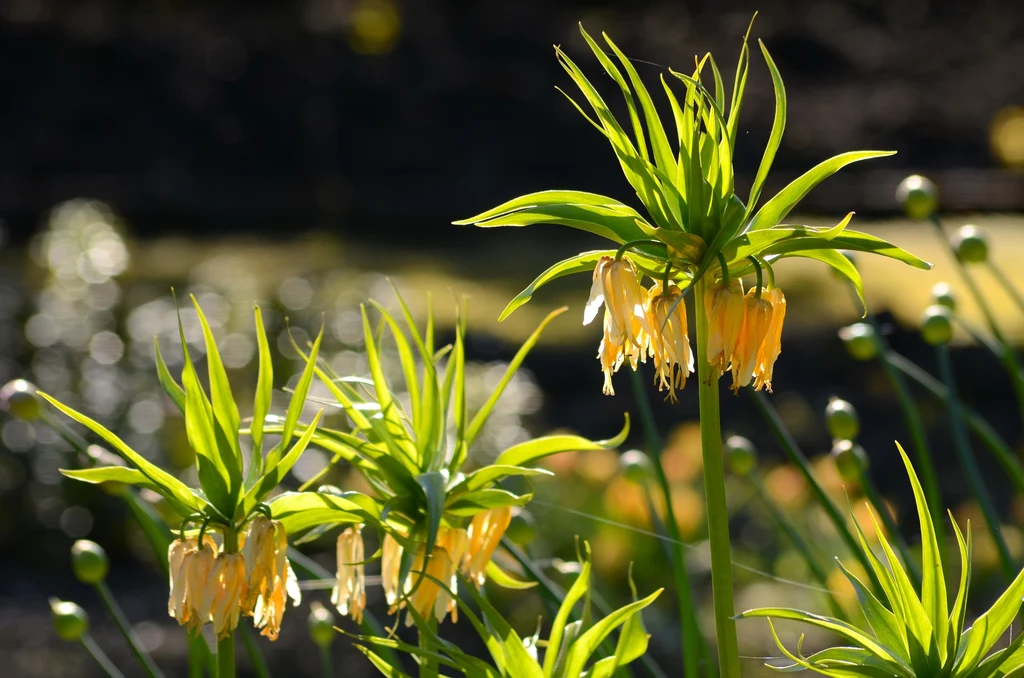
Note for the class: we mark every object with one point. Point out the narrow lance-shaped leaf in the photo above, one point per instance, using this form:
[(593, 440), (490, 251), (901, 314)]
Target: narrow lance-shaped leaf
[(775, 138), (480, 418), (170, 485), (225, 412), (776, 209), (532, 450), (298, 401), (171, 387), (264, 395)]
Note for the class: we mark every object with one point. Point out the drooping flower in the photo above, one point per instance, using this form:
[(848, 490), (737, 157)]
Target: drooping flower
[(725, 309), (757, 317), (179, 559), (625, 323), (199, 565), (269, 576), (771, 347), (485, 531), (220, 601), (390, 568), (669, 339), (427, 596), (349, 593)]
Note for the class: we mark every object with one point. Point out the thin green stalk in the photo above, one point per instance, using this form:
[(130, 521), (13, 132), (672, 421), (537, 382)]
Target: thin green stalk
[(796, 457), (325, 661), (428, 665), (126, 630), (226, 645), (875, 497), (999, 275), (195, 659), (688, 624), (970, 465), (100, 656), (801, 545), (259, 664), (918, 438), (370, 625), (975, 422), (714, 493), (1008, 356)]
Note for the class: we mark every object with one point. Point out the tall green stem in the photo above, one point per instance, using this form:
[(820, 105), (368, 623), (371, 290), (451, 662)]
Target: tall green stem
[(126, 630), (714, 492), (1001, 276), (226, 646), (97, 653), (674, 549), (796, 457), (978, 425), (801, 545), (1008, 356), (970, 464)]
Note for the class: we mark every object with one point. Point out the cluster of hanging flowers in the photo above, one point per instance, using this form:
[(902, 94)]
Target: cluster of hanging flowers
[(745, 329), (208, 585), (457, 550)]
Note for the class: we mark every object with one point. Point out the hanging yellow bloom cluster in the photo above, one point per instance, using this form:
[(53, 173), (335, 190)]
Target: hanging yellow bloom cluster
[(457, 550), (744, 332), (208, 585), (638, 324)]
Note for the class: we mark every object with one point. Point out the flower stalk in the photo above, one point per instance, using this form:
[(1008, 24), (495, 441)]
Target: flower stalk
[(717, 507), (107, 596), (226, 645)]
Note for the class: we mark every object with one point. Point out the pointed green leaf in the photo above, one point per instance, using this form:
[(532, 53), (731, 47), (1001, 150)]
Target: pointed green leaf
[(298, 401), (225, 412), (775, 138), (776, 209), (889, 630), (303, 510), (959, 611), (264, 395), (276, 473), (578, 589), (171, 387), (170, 486), (532, 450), (585, 646), (480, 418)]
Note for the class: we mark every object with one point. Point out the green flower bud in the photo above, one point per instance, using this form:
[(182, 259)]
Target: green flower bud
[(971, 245), (943, 295), (89, 561), (918, 196), (19, 398), (321, 625), (842, 420), (861, 342), (937, 325), (740, 455), (851, 460), (636, 466), (522, 529), (70, 620)]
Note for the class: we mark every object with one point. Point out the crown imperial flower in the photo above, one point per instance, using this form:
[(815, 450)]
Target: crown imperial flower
[(485, 531), (670, 342), (757, 317), (269, 577), (771, 347), (349, 593), (725, 309)]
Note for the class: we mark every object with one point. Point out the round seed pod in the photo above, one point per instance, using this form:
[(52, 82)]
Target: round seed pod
[(522, 529), (918, 196), (321, 625), (943, 295), (971, 244), (636, 466), (19, 398), (851, 460), (860, 340), (937, 325), (89, 561), (841, 419), (740, 455), (70, 621)]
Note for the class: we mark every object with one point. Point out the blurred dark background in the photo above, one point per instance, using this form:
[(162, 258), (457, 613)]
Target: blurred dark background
[(295, 153), (273, 117)]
